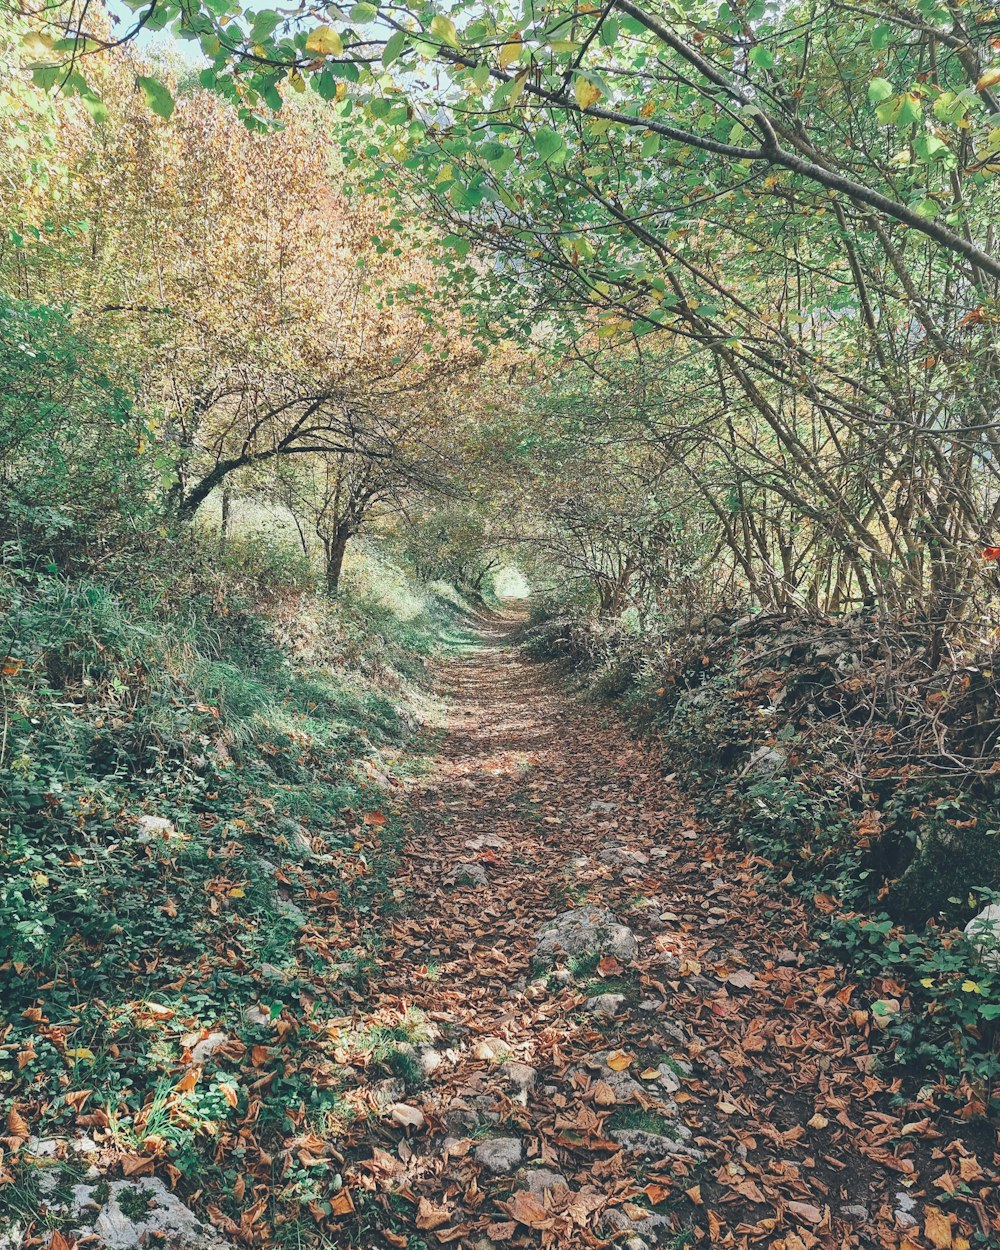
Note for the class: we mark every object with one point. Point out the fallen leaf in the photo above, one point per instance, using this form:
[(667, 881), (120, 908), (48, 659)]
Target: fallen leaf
[(604, 1095), (526, 1209), (406, 1116), (937, 1228), (430, 1216), (806, 1212)]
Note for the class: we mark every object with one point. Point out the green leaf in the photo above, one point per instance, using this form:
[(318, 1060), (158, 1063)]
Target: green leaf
[(949, 107), (265, 23), (94, 105), (762, 57), (879, 89), (548, 143), (157, 97), (880, 37), (364, 13), (443, 28), (393, 47), (459, 245)]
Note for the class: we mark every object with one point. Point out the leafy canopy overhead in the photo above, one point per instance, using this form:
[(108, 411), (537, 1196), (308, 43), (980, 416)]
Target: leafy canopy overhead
[(879, 104)]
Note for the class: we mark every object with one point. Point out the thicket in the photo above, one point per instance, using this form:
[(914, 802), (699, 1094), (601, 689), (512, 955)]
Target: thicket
[(818, 743)]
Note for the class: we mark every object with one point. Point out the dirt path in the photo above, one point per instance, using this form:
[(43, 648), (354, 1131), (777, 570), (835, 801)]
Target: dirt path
[(716, 1089)]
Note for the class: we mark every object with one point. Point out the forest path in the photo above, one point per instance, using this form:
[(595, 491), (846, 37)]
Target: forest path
[(723, 1095)]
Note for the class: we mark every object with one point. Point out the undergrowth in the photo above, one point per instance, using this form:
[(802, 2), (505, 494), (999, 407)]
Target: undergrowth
[(199, 760), (783, 743)]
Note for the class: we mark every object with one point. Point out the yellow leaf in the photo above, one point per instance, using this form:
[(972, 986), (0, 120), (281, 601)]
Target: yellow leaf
[(619, 1061), (989, 79), (237, 892), (972, 987), (40, 879), (81, 1052), (444, 29), (650, 1074), (324, 41), (586, 93), (937, 1228), (511, 51)]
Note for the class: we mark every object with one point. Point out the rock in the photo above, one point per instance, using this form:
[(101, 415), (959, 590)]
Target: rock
[(491, 1048), (585, 931), (539, 1180), (499, 1154), (483, 841), (606, 1005), (668, 1078), (655, 1145), (855, 1212), (461, 1119), (300, 841), (983, 931), (426, 1057), (765, 762), (521, 1076), (151, 827), (622, 855), (601, 805), (614, 1221), (288, 911), (255, 1014), (165, 1219), (385, 1093), (207, 1047), (471, 874)]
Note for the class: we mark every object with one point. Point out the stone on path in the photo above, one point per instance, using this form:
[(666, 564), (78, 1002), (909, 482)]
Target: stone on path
[(471, 874), (166, 1220), (539, 1180), (585, 931), (606, 1005), (499, 1154), (655, 1145)]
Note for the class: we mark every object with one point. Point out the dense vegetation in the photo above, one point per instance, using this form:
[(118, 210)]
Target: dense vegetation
[(312, 322)]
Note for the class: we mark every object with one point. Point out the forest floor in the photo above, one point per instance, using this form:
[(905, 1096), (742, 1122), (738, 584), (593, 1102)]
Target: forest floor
[(719, 1086)]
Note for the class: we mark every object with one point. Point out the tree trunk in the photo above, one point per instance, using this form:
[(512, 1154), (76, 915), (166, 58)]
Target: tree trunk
[(227, 516), (335, 549)]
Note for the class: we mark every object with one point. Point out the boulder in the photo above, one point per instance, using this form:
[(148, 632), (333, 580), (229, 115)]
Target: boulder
[(165, 1219), (983, 931), (471, 874), (585, 931)]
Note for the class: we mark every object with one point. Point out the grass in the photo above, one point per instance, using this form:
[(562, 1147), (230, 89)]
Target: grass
[(255, 717)]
